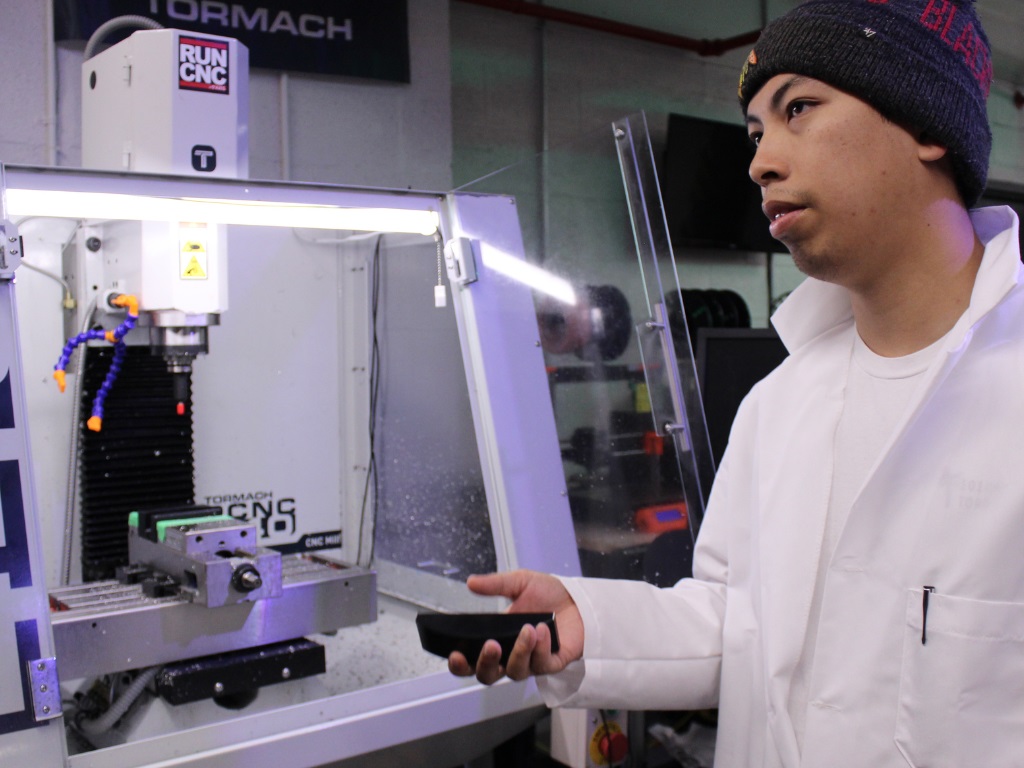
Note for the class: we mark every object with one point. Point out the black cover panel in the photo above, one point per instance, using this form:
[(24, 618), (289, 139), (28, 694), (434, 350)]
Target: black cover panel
[(140, 459)]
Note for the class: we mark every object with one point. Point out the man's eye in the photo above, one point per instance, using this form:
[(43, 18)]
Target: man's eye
[(755, 139), (796, 108)]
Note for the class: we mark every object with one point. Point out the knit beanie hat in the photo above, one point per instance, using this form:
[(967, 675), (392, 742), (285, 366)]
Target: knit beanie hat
[(924, 64)]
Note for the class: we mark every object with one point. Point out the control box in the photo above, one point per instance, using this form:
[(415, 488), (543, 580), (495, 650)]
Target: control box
[(168, 101)]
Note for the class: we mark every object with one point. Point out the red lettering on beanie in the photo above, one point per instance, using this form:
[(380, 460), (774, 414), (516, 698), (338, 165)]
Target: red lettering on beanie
[(934, 14), (968, 45), (985, 76), (949, 23), (941, 13)]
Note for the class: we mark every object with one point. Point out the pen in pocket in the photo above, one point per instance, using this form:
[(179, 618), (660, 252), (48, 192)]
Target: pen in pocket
[(924, 613)]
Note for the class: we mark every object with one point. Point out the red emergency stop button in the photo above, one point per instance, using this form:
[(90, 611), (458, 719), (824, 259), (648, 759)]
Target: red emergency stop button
[(613, 747)]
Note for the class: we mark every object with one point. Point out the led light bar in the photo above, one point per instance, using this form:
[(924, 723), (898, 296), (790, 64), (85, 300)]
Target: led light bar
[(107, 206)]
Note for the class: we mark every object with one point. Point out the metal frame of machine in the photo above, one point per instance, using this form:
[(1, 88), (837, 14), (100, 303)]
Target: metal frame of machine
[(421, 719)]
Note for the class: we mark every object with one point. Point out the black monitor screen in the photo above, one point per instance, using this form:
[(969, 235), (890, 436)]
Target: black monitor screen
[(730, 361), (709, 199)]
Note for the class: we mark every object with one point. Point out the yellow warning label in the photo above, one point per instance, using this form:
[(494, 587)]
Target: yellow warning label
[(194, 270), (193, 263)]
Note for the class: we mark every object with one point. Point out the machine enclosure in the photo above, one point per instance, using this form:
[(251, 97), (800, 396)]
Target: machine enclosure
[(168, 101)]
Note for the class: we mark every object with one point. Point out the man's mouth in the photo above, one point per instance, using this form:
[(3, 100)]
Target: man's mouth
[(781, 215)]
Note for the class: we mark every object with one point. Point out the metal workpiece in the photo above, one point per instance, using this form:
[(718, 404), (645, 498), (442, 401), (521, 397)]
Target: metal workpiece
[(215, 563), (106, 627)]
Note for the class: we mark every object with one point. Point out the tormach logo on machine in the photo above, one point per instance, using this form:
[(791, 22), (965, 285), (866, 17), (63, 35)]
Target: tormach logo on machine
[(202, 64), (239, 17), (204, 158), (277, 517)]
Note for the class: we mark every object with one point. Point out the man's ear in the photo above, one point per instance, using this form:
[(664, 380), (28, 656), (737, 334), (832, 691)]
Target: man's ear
[(929, 150)]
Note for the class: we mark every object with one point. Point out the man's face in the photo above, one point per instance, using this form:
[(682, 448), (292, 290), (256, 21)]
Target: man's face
[(835, 177)]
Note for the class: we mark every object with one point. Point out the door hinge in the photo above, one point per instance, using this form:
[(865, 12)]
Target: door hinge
[(42, 674)]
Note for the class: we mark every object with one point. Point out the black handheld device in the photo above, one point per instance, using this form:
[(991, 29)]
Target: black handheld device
[(443, 633)]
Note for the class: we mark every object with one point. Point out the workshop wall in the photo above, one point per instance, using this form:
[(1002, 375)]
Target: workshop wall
[(521, 85), (27, 122), (303, 127)]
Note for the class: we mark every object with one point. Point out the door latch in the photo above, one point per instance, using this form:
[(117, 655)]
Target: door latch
[(460, 256)]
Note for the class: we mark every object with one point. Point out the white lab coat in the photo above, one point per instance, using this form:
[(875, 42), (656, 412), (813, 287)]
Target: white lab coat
[(943, 507)]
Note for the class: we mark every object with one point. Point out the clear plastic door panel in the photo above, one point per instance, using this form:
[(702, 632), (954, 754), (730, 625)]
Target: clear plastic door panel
[(607, 314)]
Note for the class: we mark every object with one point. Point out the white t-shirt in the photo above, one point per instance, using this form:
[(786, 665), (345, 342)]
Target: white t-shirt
[(877, 393)]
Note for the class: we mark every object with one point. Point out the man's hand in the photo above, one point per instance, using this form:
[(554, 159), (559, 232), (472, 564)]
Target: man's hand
[(529, 591)]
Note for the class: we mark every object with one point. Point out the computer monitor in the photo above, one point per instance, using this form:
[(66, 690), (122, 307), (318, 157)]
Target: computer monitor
[(708, 197), (730, 361)]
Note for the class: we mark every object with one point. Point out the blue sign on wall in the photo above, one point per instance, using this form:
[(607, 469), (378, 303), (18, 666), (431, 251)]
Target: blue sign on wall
[(361, 38)]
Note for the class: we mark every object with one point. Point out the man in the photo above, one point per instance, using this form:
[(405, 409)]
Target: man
[(858, 597)]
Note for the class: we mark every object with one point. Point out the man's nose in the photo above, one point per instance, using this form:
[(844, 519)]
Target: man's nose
[(769, 163)]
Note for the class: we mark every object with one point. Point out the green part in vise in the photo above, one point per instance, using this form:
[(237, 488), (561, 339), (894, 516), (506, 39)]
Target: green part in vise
[(163, 525)]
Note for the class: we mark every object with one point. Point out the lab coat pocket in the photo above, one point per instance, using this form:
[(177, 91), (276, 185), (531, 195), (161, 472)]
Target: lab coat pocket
[(961, 700)]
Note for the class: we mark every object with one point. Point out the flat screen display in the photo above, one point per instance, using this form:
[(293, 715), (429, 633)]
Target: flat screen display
[(709, 199), (730, 361)]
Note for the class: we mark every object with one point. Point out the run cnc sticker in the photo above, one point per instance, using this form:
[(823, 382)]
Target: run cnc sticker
[(203, 65)]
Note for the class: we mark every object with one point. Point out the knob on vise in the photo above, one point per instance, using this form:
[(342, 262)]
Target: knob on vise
[(246, 578)]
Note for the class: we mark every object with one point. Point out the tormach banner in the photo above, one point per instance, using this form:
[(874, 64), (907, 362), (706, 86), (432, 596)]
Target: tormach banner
[(361, 38)]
